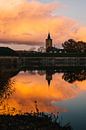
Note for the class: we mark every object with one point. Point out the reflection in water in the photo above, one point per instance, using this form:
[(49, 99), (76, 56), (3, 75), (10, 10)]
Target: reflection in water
[(48, 76), (6, 87), (68, 76), (32, 85), (6, 83), (74, 76)]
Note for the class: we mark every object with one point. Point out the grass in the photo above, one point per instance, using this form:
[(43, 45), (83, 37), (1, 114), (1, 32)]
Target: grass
[(32, 121)]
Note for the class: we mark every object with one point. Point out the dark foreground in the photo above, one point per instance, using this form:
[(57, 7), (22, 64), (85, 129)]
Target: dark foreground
[(35, 121)]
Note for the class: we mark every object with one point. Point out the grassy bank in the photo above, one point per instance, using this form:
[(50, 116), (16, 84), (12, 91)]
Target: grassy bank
[(32, 121)]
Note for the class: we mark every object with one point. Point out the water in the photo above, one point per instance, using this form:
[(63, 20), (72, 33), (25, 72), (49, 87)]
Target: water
[(55, 91)]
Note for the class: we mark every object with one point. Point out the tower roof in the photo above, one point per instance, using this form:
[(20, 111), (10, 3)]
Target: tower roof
[(49, 37)]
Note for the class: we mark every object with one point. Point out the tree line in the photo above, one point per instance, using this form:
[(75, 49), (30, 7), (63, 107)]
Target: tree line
[(69, 47), (74, 46)]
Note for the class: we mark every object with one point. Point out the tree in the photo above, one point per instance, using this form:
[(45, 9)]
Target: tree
[(82, 46), (70, 45), (74, 46)]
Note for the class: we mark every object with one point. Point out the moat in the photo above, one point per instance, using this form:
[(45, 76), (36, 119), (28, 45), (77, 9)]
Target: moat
[(55, 89)]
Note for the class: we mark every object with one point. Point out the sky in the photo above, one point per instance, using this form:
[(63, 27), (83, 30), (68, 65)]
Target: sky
[(27, 22)]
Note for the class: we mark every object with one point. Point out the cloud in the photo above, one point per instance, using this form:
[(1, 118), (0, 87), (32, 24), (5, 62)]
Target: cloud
[(29, 22), (81, 33)]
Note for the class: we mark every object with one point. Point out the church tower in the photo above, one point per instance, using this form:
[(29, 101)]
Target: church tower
[(48, 42)]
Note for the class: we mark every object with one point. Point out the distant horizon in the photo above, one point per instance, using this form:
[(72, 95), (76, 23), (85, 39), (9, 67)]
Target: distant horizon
[(21, 45)]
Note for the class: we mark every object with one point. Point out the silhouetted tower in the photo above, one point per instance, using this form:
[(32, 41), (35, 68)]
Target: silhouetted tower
[(48, 42)]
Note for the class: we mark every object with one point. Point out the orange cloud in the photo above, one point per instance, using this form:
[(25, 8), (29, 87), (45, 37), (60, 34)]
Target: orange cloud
[(81, 33), (29, 21)]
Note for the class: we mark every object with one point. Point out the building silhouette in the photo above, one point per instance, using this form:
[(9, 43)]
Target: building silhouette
[(48, 42)]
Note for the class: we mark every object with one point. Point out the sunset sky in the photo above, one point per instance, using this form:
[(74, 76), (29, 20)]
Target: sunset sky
[(27, 22)]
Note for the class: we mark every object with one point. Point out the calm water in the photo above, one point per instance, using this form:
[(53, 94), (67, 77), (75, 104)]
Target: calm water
[(63, 92)]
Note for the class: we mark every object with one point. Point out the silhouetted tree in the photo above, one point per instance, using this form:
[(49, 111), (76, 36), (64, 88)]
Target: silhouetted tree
[(70, 45), (82, 46), (73, 46)]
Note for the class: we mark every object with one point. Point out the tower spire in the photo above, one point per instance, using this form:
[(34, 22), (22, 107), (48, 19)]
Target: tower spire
[(49, 37)]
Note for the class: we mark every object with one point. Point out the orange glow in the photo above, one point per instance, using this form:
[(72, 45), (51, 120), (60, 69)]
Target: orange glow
[(24, 20), (30, 88), (81, 34)]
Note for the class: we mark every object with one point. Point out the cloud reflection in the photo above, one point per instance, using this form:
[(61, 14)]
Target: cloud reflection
[(30, 88)]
